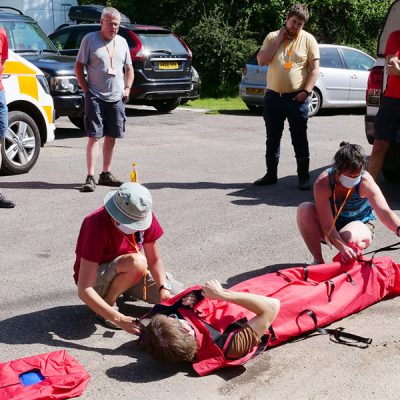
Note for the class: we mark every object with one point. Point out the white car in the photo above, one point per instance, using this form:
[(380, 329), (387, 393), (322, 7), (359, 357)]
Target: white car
[(342, 81)]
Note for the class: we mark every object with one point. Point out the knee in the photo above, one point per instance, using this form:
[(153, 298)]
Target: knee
[(305, 211), (135, 264)]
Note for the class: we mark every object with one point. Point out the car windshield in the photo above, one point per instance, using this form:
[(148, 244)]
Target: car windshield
[(153, 42), (26, 37)]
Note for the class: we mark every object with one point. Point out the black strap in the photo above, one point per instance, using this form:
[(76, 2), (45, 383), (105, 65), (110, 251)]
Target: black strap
[(350, 278), (284, 276), (305, 268), (272, 332), (338, 334), (394, 246), (331, 287)]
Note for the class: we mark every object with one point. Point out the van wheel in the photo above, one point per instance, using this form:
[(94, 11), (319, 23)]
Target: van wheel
[(315, 102), (21, 147), (167, 105), (255, 109), (78, 122)]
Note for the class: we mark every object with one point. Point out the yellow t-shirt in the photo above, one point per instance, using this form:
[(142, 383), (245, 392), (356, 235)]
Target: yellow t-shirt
[(304, 49)]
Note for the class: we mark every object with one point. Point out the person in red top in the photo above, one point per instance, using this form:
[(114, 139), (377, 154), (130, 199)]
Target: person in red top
[(387, 121), (109, 261), (4, 202)]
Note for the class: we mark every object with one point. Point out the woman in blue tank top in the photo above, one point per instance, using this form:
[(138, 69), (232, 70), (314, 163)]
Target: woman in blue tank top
[(342, 216)]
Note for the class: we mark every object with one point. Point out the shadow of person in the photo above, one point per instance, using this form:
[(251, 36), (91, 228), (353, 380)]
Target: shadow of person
[(59, 327), (145, 369), (234, 280), (40, 185)]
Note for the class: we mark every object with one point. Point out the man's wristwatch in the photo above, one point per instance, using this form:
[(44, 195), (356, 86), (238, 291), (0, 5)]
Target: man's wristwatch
[(166, 286), (306, 92)]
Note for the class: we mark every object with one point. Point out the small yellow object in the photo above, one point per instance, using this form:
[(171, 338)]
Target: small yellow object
[(134, 175)]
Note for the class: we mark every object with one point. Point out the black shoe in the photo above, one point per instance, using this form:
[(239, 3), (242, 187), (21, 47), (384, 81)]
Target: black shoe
[(266, 180), (89, 185), (5, 203), (108, 179), (304, 184)]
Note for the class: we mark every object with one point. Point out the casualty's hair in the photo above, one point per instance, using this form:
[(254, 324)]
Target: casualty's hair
[(167, 340), (349, 157), (110, 12), (300, 11)]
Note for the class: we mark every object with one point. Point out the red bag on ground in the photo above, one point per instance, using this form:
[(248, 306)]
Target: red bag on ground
[(63, 377)]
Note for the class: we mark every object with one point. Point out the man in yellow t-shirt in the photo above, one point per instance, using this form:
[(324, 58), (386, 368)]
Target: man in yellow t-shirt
[(292, 56)]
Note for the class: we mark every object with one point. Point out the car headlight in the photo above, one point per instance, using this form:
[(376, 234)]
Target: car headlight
[(64, 84), (43, 83)]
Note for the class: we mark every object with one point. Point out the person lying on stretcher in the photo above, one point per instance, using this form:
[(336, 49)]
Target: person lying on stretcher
[(172, 338)]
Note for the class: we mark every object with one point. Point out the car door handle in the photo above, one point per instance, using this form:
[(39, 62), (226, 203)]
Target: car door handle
[(321, 74), (354, 76)]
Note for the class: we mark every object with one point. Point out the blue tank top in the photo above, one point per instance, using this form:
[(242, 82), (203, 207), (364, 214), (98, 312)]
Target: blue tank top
[(356, 208)]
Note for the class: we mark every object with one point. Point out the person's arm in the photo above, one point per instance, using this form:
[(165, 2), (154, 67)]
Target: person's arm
[(393, 65), (128, 79), (156, 267), (313, 73), (322, 193), (80, 76), (265, 308), (373, 193), (269, 48), (87, 278)]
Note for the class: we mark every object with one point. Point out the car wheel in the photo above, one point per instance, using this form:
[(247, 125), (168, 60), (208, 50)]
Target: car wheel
[(315, 103), (78, 122), (255, 109), (167, 105), (21, 147)]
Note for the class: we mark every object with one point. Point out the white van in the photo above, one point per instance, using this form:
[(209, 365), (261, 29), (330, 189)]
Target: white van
[(376, 86), (30, 114), (49, 14)]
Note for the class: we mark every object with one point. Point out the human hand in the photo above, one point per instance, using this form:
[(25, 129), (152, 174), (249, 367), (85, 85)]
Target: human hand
[(128, 324), (393, 66), (189, 300), (300, 97), (165, 294), (212, 289), (348, 254), (125, 97)]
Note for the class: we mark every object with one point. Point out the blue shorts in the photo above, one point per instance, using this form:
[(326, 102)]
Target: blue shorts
[(387, 123), (104, 118), (3, 115)]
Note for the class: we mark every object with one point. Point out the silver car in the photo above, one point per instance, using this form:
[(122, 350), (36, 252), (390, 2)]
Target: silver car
[(342, 81)]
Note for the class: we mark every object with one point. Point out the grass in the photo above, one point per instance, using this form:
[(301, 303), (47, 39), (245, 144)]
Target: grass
[(218, 105)]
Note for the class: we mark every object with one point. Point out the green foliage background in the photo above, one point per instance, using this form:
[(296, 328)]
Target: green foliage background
[(223, 34)]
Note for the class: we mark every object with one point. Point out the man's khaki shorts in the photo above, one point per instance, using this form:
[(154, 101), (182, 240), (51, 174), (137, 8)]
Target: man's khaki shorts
[(107, 272)]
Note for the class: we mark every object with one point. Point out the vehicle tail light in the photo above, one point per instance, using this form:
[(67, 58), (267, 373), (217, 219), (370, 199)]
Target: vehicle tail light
[(375, 86), (137, 51), (185, 46)]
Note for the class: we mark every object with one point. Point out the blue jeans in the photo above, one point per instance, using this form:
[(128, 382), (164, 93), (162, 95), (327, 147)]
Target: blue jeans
[(277, 108), (3, 115)]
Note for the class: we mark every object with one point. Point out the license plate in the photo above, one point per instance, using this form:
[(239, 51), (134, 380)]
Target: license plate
[(255, 91), (168, 65)]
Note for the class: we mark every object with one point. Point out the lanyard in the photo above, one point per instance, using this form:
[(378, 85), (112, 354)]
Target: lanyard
[(108, 51), (340, 209)]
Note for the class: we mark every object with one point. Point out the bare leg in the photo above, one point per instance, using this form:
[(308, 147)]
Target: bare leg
[(358, 233), (310, 229), (92, 153), (377, 157), (108, 152), (130, 270)]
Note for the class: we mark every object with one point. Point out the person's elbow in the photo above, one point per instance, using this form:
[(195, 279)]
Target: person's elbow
[(82, 293)]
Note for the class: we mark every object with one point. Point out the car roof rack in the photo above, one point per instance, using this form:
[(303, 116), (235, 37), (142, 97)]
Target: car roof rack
[(91, 13), (11, 9)]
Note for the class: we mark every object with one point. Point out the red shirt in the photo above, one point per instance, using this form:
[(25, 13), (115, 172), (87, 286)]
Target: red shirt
[(101, 241), (393, 48), (4, 52)]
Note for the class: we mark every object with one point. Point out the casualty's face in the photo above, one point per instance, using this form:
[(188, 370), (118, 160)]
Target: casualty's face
[(109, 26), (294, 25)]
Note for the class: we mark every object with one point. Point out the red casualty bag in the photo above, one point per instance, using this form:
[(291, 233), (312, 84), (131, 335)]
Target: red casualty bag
[(311, 297), (55, 375)]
